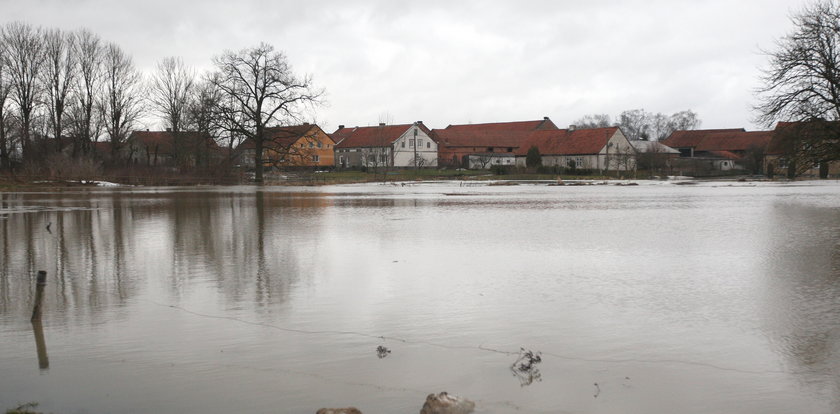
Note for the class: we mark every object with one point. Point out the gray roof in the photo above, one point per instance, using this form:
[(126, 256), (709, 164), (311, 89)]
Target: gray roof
[(652, 146)]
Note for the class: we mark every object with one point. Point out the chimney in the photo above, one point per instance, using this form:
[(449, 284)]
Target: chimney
[(382, 124), (341, 127), (572, 127), (545, 118), (168, 129), (306, 123)]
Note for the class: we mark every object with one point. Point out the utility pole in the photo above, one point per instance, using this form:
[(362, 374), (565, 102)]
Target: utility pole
[(415, 145)]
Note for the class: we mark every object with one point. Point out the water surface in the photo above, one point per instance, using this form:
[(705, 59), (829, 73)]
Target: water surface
[(716, 297)]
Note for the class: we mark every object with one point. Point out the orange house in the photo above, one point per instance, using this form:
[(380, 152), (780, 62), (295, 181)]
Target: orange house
[(305, 145)]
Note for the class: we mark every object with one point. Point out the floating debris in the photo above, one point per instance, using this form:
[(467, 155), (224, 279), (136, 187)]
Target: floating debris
[(525, 367), (382, 351)]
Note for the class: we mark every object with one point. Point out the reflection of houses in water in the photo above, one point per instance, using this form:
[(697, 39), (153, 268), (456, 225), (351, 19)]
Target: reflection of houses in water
[(800, 312)]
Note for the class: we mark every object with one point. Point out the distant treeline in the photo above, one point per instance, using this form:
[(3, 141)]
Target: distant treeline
[(63, 94)]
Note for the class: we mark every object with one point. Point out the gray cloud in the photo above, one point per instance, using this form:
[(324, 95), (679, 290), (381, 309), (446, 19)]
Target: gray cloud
[(468, 61)]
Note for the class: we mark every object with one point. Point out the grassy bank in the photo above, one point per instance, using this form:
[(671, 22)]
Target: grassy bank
[(18, 182)]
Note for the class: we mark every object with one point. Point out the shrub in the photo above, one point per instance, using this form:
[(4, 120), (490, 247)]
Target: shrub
[(500, 169), (533, 157)]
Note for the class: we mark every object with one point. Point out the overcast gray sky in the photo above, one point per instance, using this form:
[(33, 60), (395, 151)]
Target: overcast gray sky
[(457, 61)]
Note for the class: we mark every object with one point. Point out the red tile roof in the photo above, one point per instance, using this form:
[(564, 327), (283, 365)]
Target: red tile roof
[(692, 138), (477, 138), (725, 154), (373, 136), (283, 137), (341, 134), (740, 141), (566, 142), (781, 143), (544, 123), (498, 134)]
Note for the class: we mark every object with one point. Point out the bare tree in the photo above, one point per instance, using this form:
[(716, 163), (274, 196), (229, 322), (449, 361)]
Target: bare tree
[(58, 77), (593, 121), (262, 90), (635, 123), (202, 104), (86, 122), (204, 99), (680, 121), (5, 90), (659, 126), (619, 158), (638, 124), (23, 55), (121, 105), (295, 154), (170, 90), (652, 157), (227, 120), (802, 83)]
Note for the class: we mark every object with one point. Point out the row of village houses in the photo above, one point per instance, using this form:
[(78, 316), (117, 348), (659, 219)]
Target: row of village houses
[(477, 146)]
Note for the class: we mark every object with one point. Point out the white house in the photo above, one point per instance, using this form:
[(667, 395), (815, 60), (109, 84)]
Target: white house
[(598, 149), (415, 147), (405, 145)]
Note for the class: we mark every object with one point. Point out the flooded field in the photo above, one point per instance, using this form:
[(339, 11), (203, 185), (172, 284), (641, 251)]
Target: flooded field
[(657, 298)]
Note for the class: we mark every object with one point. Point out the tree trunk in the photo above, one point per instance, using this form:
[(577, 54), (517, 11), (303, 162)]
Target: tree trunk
[(258, 165), (823, 169), (791, 172)]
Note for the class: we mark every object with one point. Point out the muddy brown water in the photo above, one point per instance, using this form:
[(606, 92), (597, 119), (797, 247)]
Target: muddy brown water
[(716, 297)]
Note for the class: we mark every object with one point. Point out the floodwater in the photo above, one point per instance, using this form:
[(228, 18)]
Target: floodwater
[(657, 298)]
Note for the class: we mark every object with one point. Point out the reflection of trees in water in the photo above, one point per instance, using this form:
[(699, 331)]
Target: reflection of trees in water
[(83, 253), (801, 309), (252, 246)]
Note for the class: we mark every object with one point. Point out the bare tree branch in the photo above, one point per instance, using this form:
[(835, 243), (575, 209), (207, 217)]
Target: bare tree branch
[(58, 76), (259, 90), (121, 105), (23, 56)]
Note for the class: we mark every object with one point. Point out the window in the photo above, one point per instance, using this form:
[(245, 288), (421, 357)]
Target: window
[(311, 144), (411, 143), (319, 144), (419, 143), (489, 149), (510, 149), (403, 144), (316, 158), (428, 145)]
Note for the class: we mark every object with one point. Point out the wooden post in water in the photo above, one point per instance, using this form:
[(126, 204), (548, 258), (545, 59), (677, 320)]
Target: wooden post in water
[(39, 294), (40, 344), (37, 328)]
